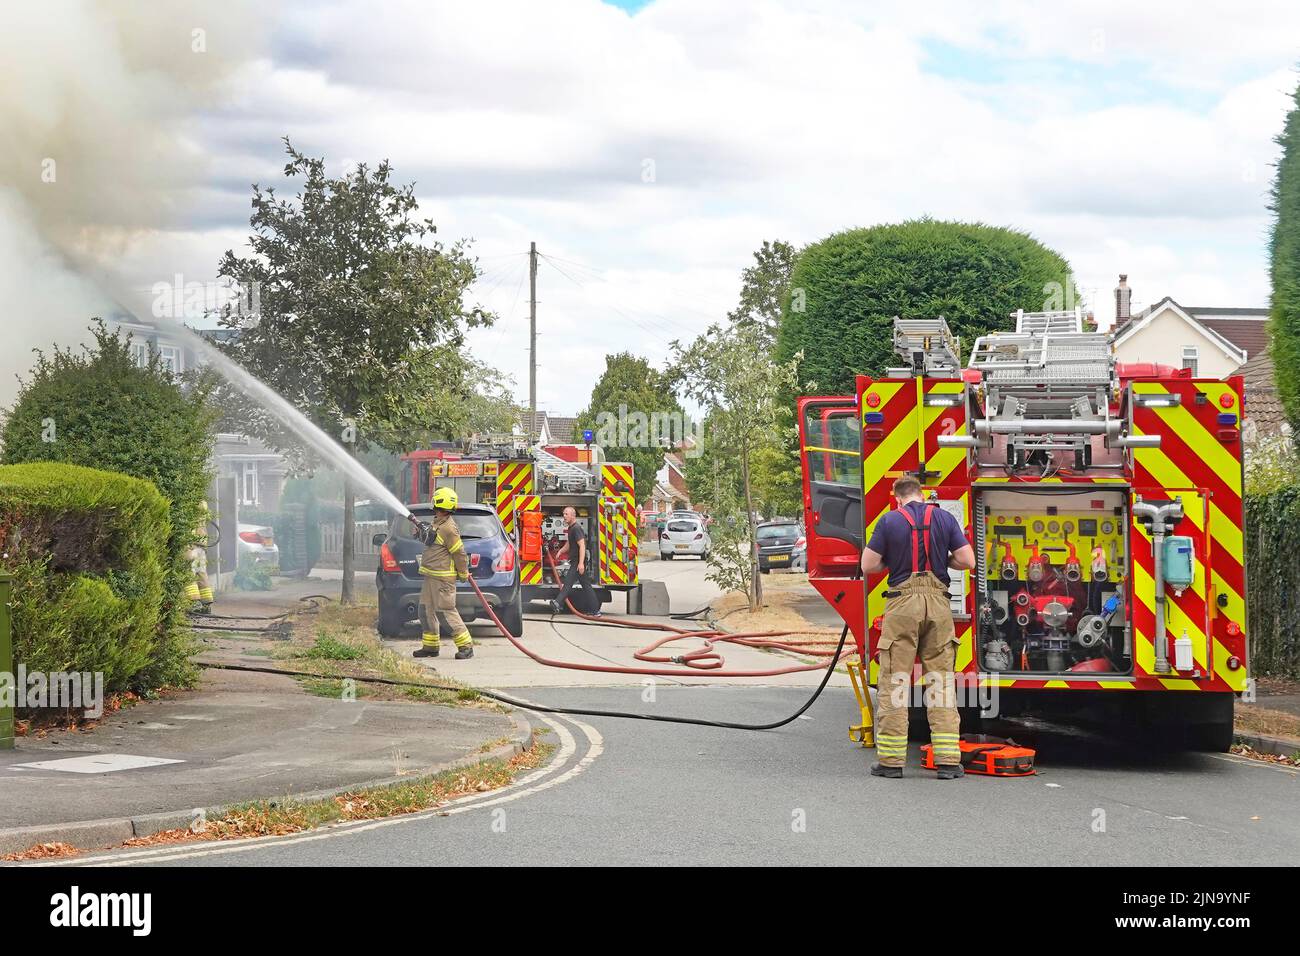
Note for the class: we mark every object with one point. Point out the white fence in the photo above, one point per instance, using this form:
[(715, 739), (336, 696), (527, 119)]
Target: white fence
[(331, 544)]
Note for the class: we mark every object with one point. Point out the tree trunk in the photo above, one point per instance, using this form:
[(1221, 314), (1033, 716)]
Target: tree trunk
[(347, 595), (755, 578)]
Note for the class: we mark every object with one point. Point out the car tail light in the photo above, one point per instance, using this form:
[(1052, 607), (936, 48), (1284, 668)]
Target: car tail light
[(663, 534), (801, 542), (507, 560), (252, 537), (473, 560), (386, 559), (700, 536)]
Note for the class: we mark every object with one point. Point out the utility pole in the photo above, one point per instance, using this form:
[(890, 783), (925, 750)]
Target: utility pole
[(532, 340)]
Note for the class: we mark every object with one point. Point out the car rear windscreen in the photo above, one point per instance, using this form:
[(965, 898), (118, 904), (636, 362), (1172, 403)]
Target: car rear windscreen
[(475, 524), (778, 532), (683, 526)]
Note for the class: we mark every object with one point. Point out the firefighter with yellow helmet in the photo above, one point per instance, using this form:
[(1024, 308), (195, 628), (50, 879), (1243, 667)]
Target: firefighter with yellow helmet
[(442, 565)]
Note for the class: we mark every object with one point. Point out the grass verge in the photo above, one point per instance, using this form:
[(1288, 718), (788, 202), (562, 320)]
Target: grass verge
[(340, 644)]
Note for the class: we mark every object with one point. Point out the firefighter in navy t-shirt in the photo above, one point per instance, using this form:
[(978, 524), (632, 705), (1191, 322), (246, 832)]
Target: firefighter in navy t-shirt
[(918, 544)]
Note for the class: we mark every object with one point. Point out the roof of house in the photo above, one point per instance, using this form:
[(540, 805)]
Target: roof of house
[(664, 492), (1245, 328), (1263, 403), (560, 427), (1140, 321)]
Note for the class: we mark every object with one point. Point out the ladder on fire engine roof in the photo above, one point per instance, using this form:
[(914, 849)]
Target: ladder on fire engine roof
[(1049, 323), (1049, 359), (565, 474), (927, 346)]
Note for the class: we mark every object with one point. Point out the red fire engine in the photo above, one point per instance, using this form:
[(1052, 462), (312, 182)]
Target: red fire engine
[(530, 488), (1104, 503)]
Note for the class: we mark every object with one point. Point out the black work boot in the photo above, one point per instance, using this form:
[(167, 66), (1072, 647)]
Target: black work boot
[(426, 650), (950, 771), (880, 770), (465, 653)]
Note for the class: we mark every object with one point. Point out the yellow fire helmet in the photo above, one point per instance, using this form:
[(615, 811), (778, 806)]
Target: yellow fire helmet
[(445, 499)]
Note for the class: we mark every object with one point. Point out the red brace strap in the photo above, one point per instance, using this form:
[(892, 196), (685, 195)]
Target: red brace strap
[(920, 532)]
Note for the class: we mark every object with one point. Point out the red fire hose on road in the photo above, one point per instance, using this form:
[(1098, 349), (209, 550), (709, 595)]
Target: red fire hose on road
[(709, 662), (706, 660)]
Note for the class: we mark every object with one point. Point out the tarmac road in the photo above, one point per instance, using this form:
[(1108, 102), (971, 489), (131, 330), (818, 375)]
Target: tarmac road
[(638, 793)]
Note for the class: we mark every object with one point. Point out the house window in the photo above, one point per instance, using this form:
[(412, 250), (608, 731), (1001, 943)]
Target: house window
[(1191, 357), (140, 353), (171, 358), (248, 485)]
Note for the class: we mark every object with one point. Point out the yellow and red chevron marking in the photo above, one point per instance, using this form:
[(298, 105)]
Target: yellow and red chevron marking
[(1194, 464), (622, 521), (1193, 456), (530, 572), (1186, 612), (513, 478), (909, 429)]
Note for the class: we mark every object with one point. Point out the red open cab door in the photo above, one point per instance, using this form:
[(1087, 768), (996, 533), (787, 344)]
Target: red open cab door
[(830, 441)]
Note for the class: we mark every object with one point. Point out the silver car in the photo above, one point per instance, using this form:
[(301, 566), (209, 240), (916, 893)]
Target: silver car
[(682, 535)]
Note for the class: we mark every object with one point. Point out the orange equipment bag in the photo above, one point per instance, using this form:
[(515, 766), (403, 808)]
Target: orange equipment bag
[(993, 756), (530, 535)]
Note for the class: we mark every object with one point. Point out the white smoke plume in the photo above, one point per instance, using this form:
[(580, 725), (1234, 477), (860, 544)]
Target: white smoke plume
[(99, 103)]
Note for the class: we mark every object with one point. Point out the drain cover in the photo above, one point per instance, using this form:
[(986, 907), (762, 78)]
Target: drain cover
[(96, 763)]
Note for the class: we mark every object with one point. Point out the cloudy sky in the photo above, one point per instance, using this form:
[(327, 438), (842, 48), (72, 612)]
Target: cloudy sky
[(649, 147)]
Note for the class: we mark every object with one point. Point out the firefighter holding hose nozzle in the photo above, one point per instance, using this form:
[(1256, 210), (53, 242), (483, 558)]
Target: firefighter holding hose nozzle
[(918, 544), (442, 564)]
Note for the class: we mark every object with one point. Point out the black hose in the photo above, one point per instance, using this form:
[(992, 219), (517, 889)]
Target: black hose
[(568, 711), (692, 615)]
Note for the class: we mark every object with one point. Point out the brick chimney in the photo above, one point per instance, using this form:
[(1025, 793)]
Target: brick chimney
[(1123, 298)]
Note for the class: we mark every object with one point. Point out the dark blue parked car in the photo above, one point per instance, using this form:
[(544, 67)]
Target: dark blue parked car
[(493, 563)]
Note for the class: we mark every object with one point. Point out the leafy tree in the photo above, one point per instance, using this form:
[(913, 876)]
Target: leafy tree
[(99, 409), (713, 475), (635, 415), (728, 371), (362, 314), (1284, 252), (730, 564), (777, 477), (846, 290), (488, 404), (764, 288)]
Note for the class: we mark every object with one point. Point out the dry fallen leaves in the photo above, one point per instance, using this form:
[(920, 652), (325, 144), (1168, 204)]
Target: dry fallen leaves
[(42, 851)]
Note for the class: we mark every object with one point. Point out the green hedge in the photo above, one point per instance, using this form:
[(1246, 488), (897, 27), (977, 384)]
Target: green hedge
[(1284, 264), (89, 554), (851, 285), (96, 407), (1272, 542)]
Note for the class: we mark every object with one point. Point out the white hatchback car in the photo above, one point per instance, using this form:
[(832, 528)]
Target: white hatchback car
[(683, 535), (258, 542)]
